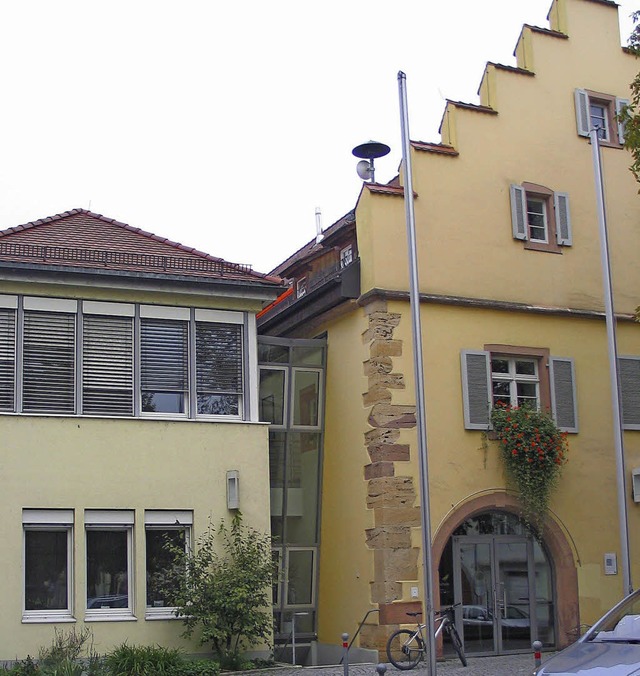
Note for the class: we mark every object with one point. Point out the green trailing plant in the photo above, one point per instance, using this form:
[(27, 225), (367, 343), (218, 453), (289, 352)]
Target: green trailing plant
[(533, 451), (222, 590)]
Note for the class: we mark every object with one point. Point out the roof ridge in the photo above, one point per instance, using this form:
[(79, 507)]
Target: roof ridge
[(177, 246), (120, 224)]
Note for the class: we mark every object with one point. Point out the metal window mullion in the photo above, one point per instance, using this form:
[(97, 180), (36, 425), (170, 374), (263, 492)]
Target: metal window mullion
[(137, 384), (19, 354), (247, 377), (79, 371), (192, 382)]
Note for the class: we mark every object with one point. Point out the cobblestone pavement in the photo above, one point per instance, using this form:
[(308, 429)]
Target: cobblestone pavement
[(507, 665)]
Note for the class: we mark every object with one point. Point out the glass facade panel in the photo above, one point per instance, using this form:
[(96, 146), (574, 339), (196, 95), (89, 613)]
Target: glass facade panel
[(272, 396), (301, 506), (273, 354), (300, 577), (291, 397), (307, 356), (306, 392)]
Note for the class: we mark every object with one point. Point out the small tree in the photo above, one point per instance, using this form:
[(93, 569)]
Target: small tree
[(223, 588)]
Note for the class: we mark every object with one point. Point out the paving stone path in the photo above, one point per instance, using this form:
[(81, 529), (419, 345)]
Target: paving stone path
[(507, 665)]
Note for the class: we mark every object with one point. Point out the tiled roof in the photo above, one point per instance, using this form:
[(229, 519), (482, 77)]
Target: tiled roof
[(438, 148), (83, 239), (313, 248)]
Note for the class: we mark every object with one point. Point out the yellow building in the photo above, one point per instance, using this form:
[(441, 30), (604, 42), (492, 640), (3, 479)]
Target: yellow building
[(512, 309), (128, 414)]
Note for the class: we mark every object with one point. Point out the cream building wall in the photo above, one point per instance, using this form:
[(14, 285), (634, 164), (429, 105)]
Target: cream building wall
[(88, 463), (96, 463)]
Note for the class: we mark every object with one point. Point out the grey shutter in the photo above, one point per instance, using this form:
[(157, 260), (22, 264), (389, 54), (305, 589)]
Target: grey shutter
[(630, 391), (163, 355), (563, 393), (620, 104), (107, 365), (563, 219), (219, 369), (49, 362), (476, 389), (518, 212), (7, 359), (583, 118)]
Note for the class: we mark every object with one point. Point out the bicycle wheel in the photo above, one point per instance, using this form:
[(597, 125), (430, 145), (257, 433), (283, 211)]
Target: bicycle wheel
[(456, 642), (405, 649)]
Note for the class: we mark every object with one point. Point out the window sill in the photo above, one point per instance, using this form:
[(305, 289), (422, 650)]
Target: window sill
[(542, 246), (168, 615), (108, 617), (47, 619)]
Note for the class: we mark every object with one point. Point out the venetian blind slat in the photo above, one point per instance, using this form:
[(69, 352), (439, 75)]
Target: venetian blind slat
[(7, 359)]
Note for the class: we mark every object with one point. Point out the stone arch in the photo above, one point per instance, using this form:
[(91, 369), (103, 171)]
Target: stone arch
[(558, 548)]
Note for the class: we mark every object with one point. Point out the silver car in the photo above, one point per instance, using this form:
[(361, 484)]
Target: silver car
[(610, 648)]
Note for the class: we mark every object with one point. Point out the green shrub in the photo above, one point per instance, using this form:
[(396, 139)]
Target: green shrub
[(199, 668), (126, 660)]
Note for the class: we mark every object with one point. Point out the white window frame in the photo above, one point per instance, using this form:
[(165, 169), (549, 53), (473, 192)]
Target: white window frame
[(48, 520), (301, 287), (285, 399), (346, 256), (514, 378), (160, 519), (111, 520), (533, 199)]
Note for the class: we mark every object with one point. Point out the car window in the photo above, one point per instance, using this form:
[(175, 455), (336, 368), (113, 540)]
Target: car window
[(621, 624)]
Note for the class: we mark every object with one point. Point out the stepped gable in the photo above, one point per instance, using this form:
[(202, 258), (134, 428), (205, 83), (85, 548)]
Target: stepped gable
[(82, 239)]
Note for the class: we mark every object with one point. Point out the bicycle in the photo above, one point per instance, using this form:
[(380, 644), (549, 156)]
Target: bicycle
[(406, 647)]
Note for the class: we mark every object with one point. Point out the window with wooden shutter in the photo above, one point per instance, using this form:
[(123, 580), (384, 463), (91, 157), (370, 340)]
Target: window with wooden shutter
[(563, 393), (219, 360), (7, 359), (107, 365), (476, 389), (595, 110), (563, 219), (164, 365), (540, 217), (518, 212), (629, 368), (49, 362)]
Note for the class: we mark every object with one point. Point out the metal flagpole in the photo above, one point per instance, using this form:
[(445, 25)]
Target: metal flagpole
[(613, 365), (421, 418)]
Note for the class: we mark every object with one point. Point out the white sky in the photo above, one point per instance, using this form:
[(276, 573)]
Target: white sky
[(222, 124)]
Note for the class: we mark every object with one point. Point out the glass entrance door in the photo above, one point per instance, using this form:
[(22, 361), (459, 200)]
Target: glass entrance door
[(494, 580)]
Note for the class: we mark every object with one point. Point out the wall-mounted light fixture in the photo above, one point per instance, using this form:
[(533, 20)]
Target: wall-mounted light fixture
[(233, 489)]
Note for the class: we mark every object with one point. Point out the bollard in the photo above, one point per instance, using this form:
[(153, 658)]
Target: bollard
[(381, 669), (537, 655), (345, 658)]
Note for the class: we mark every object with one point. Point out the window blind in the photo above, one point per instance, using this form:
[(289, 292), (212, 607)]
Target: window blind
[(7, 359), (164, 354), (107, 365), (218, 367), (48, 362)]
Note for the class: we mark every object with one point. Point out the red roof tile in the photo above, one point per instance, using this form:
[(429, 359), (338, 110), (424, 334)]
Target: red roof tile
[(82, 239)]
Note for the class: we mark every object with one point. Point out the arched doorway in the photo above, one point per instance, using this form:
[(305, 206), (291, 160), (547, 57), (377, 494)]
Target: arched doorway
[(512, 589)]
